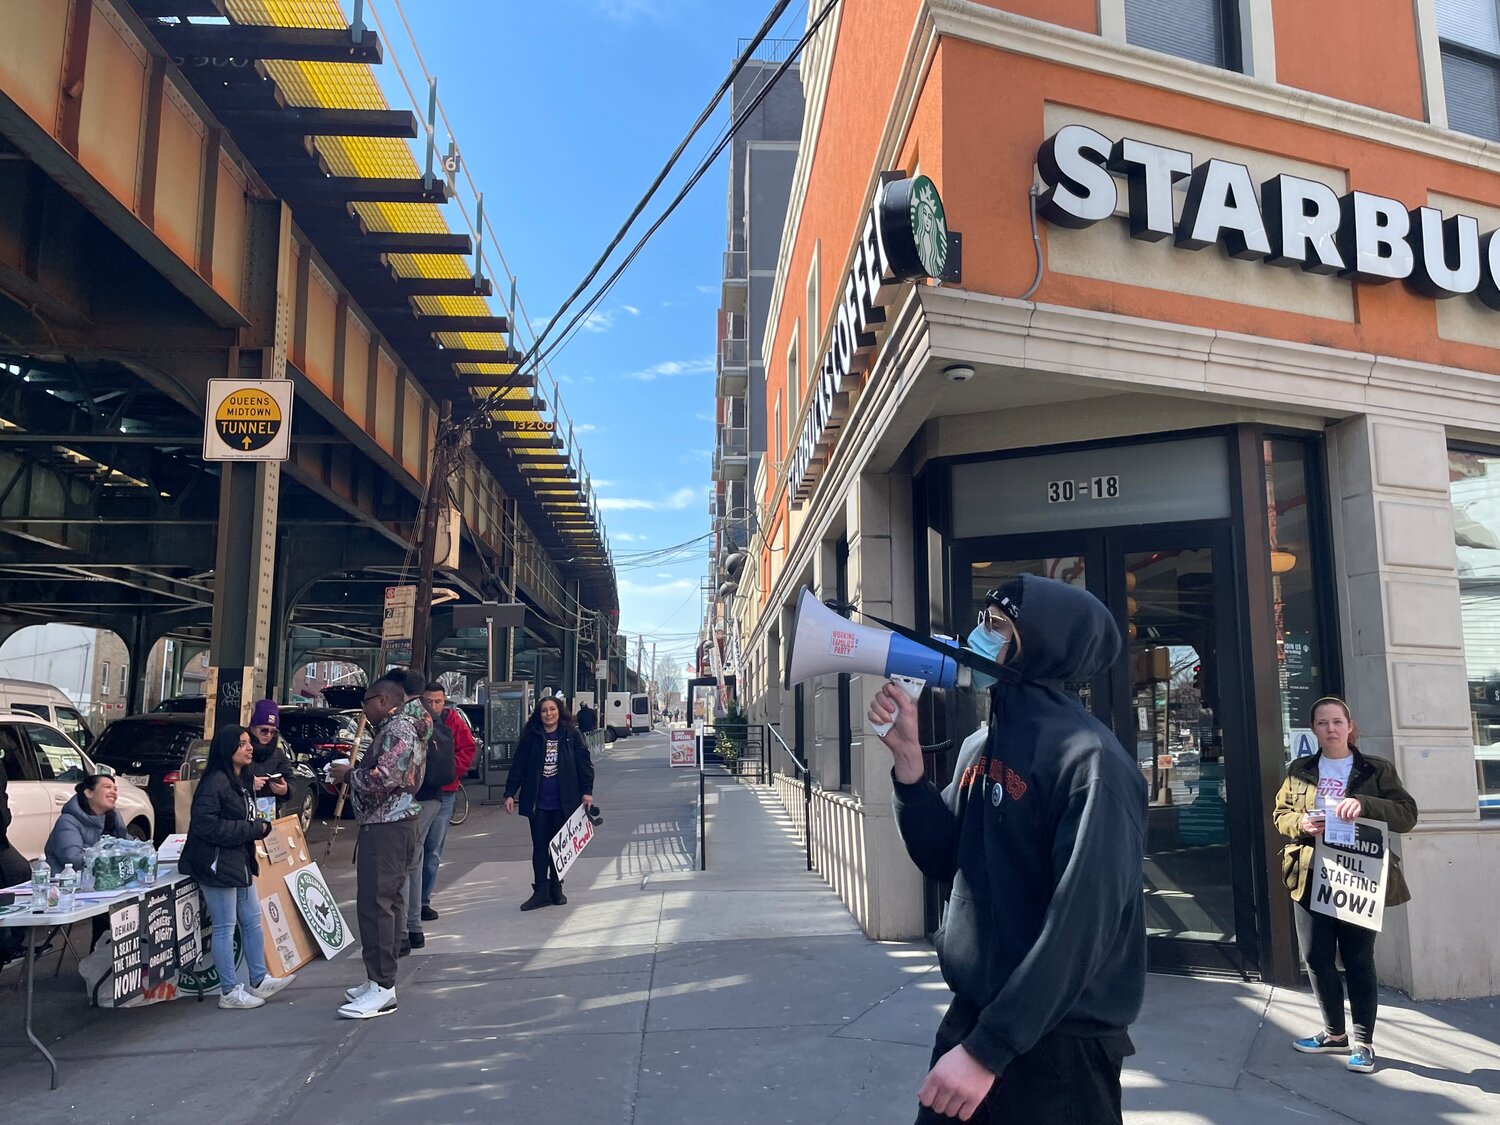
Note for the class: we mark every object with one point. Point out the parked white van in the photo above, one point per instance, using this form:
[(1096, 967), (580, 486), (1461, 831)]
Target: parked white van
[(47, 702)]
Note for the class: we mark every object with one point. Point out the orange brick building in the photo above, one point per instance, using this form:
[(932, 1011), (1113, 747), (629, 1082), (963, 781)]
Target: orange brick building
[(1215, 335)]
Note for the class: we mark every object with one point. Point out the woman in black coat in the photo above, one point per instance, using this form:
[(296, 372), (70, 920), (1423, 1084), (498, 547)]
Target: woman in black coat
[(220, 854), (552, 775)]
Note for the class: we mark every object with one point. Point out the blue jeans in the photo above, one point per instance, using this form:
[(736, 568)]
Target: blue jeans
[(432, 846), (226, 905)]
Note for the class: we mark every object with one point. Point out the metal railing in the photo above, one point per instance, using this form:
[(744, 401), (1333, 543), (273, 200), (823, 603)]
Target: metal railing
[(806, 774), (734, 441), (735, 265)]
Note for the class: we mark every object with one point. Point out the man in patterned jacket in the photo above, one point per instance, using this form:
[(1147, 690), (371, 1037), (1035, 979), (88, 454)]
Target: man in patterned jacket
[(384, 785)]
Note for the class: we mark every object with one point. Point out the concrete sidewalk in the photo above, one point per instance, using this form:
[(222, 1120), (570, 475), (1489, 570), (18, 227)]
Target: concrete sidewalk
[(661, 994)]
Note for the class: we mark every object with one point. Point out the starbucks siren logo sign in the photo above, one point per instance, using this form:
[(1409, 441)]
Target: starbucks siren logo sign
[(929, 226), (321, 913), (319, 909)]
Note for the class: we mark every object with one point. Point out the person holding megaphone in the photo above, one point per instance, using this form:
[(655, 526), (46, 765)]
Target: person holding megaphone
[(1041, 834)]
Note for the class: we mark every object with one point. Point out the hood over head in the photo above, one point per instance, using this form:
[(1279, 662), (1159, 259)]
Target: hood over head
[(1066, 633)]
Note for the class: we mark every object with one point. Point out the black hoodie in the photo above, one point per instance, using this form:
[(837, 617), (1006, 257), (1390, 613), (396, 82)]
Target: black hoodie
[(1041, 833)]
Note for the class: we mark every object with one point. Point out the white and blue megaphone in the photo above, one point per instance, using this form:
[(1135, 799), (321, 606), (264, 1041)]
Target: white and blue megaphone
[(825, 644)]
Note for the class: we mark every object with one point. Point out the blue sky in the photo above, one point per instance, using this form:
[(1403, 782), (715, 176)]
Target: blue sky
[(564, 111)]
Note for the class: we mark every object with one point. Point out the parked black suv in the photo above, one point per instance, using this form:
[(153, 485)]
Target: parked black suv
[(149, 750)]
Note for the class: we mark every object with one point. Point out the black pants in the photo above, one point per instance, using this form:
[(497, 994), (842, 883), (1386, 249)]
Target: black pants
[(382, 859), (545, 824), (1321, 937), (1063, 1080)]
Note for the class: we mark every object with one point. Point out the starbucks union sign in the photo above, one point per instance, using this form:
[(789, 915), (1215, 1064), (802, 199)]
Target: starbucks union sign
[(904, 238)]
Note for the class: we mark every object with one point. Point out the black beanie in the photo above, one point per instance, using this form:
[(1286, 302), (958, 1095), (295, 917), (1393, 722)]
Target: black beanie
[(1007, 596)]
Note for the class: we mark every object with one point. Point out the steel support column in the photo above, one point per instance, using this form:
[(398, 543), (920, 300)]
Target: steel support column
[(249, 492), (569, 685)]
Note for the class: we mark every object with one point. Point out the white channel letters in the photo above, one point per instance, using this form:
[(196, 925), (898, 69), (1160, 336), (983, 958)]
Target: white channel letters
[(1291, 222)]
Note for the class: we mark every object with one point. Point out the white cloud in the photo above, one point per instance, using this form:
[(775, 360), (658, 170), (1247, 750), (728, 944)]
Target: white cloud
[(586, 428), (705, 288), (703, 416), (600, 482), (682, 498), (631, 309), (626, 537), (600, 320), (674, 367)]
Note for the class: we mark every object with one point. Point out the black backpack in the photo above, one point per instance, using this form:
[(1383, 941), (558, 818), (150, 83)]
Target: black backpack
[(440, 764)]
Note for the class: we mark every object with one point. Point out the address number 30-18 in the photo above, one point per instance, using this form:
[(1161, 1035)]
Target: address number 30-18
[(1095, 488)]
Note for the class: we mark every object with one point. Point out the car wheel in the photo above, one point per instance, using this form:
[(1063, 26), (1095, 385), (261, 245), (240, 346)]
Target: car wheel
[(609, 733), (139, 829), (307, 810)]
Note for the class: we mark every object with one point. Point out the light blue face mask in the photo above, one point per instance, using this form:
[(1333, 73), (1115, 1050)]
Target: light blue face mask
[(990, 644)]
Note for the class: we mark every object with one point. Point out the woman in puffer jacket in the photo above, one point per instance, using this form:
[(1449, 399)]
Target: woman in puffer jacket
[(220, 854), (84, 821)]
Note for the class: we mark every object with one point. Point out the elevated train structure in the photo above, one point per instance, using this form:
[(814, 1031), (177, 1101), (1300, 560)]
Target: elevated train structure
[(207, 189)]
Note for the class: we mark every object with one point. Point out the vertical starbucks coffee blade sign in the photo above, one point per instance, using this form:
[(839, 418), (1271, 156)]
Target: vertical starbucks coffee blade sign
[(248, 420), (904, 238)]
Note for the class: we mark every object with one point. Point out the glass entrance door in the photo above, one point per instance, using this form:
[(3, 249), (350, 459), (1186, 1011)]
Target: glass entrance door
[(1172, 701)]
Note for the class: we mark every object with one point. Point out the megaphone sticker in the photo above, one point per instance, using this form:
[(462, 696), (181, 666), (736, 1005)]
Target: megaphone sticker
[(841, 643)]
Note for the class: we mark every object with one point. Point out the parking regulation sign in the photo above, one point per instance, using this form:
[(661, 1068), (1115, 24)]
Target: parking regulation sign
[(248, 420)]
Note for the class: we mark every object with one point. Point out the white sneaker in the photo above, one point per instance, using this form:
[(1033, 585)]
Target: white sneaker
[(269, 986), (240, 998), (376, 1001), (358, 990)]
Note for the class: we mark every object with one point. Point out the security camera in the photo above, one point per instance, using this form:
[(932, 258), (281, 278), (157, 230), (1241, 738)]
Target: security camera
[(959, 373)]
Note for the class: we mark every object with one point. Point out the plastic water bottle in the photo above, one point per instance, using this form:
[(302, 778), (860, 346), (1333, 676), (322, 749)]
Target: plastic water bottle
[(67, 884), (41, 882)]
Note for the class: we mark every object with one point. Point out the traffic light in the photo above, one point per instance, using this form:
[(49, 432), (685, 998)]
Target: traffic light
[(1198, 678)]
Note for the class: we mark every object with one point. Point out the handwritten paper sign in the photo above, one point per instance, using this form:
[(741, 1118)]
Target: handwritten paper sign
[(570, 840)]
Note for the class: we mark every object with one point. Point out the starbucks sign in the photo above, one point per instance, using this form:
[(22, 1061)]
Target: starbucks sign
[(904, 238), (319, 909)]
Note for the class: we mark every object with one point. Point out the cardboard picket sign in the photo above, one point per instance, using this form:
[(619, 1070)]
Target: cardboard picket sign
[(319, 909), (1349, 880), (288, 939), (570, 840)]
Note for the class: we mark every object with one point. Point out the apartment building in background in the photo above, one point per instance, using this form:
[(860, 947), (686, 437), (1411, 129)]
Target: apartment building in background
[(762, 157)]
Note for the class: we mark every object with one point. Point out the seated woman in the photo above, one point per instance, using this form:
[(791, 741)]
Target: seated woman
[(84, 820)]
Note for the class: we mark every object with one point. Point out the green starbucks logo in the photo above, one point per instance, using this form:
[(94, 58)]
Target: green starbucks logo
[(319, 910), (929, 226)]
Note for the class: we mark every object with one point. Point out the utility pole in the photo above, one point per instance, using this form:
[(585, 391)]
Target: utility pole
[(655, 684), (437, 499), (640, 657)]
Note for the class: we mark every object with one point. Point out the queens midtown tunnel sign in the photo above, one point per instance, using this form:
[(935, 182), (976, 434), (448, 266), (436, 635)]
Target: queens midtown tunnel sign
[(248, 420), (1294, 222)]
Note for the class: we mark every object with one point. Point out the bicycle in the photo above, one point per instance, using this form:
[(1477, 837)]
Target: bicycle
[(460, 807)]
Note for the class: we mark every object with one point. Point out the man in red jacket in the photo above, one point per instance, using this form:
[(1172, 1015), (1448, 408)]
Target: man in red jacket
[(435, 699)]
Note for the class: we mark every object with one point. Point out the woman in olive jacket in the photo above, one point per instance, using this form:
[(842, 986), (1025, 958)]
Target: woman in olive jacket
[(552, 775), (1339, 781), (220, 854)]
